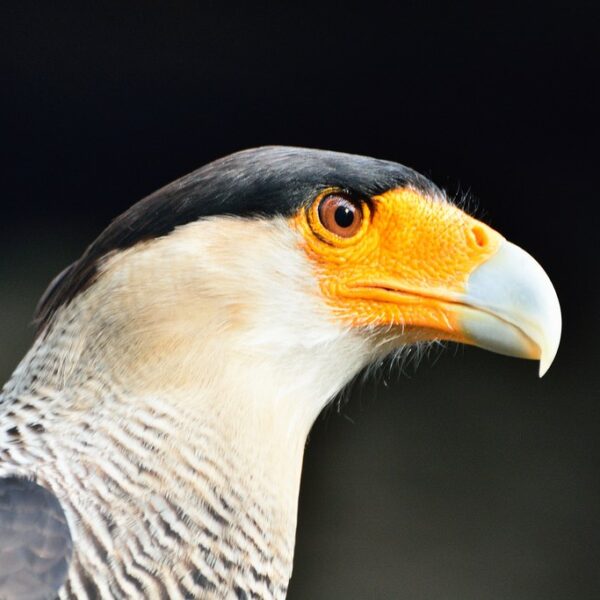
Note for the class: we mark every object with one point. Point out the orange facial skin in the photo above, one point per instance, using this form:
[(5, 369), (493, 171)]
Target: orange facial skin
[(407, 265)]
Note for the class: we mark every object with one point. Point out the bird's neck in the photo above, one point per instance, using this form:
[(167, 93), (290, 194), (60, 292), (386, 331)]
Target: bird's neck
[(202, 436)]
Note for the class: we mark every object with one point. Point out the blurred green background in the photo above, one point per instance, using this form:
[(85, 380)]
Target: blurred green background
[(468, 478)]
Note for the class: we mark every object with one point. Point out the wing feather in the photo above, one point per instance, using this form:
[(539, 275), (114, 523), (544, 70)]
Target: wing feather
[(35, 541)]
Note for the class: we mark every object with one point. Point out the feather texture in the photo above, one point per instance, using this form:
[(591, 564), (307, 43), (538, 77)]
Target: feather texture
[(168, 406)]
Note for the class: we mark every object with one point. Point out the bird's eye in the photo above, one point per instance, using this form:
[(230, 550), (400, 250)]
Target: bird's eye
[(340, 215)]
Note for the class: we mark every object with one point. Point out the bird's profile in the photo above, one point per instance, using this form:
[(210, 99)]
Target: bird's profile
[(151, 441)]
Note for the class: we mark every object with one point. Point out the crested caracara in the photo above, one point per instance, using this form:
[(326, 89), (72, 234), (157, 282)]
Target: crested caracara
[(151, 440)]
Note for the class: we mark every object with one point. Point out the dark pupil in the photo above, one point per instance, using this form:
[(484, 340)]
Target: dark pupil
[(344, 216)]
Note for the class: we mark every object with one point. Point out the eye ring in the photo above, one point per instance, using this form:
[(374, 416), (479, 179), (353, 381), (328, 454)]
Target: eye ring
[(340, 214)]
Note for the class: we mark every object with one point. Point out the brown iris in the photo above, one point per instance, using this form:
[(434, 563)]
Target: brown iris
[(341, 215)]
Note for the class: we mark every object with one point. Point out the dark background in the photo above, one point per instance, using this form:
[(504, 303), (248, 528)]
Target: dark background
[(469, 479)]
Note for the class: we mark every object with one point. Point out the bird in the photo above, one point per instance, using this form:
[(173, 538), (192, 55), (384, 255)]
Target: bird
[(151, 440)]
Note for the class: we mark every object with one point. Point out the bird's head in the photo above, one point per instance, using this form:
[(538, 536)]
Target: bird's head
[(295, 266), (407, 263)]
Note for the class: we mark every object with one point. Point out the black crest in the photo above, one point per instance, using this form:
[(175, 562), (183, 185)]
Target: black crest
[(272, 180)]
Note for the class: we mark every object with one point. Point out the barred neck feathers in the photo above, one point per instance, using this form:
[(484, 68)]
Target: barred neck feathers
[(165, 385)]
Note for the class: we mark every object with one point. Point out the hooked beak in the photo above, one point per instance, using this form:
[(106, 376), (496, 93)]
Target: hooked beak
[(510, 307)]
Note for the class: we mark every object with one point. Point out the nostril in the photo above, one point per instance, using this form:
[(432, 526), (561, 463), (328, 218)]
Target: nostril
[(479, 235)]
